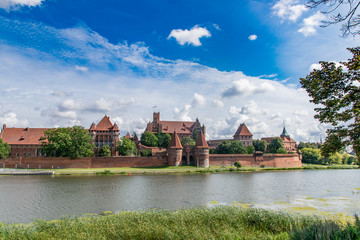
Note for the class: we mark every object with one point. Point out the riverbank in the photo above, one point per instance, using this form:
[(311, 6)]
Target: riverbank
[(187, 169), (198, 223)]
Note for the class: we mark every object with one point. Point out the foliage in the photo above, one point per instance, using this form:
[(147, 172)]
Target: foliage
[(351, 19), (105, 151), (310, 155), (4, 149), (146, 153), (275, 144), (231, 147), (199, 223), (126, 147), (281, 151), (73, 142), (188, 141), (308, 145), (195, 134), (212, 151), (237, 165), (149, 139), (336, 94), (167, 139), (260, 145), (250, 149)]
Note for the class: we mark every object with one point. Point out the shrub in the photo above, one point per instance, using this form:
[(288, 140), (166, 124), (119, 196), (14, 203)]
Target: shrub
[(237, 165), (147, 152)]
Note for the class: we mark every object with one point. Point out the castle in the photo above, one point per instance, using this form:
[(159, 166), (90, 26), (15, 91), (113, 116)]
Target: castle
[(288, 142)]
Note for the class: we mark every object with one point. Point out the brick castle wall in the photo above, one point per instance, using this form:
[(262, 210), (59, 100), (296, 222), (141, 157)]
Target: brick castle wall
[(246, 160)]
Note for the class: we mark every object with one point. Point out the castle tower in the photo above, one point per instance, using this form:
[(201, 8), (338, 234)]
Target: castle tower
[(284, 133), (202, 151), (175, 151)]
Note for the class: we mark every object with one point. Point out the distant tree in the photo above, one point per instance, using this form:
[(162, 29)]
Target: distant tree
[(260, 145), (4, 149), (350, 19), (160, 136), (188, 141), (105, 151), (195, 134), (149, 139), (126, 147), (250, 149), (231, 147), (281, 151), (146, 153), (335, 92), (310, 155), (237, 165), (335, 158), (73, 142), (275, 144), (212, 151), (167, 139), (308, 145)]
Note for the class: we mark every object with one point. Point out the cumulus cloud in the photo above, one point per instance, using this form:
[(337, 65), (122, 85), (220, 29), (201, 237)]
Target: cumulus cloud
[(311, 23), (253, 37), (14, 4), (217, 103), (289, 9), (58, 93), (246, 87), (11, 119), (198, 100), (183, 113), (190, 37)]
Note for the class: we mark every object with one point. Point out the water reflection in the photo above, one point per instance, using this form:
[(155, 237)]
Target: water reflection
[(25, 198)]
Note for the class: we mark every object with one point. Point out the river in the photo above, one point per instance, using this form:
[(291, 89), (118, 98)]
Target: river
[(26, 198)]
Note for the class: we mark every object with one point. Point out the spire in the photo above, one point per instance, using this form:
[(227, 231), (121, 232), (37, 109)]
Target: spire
[(284, 133), (128, 135), (201, 142), (175, 141), (92, 127)]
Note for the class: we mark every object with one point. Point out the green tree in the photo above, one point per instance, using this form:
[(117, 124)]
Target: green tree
[(4, 149), (146, 153), (250, 149), (231, 147), (336, 94), (188, 141), (73, 142), (149, 139), (281, 151), (167, 139), (105, 151), (126, 147), (160, 136), (310, 155), (260, 145), (275, 144), (195, 134), (350, 20)]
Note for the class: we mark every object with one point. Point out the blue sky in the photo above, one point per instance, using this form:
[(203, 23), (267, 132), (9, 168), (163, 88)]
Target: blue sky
[(70, 62)]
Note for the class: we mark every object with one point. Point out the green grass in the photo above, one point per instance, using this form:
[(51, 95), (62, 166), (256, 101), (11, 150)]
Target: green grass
[(334, 166), (199, 223)]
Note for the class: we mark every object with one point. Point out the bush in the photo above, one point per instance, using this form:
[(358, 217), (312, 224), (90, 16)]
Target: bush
[(281, 151), (105, 151), (262, 165), (145, 153), (250, 149), (237, 165)]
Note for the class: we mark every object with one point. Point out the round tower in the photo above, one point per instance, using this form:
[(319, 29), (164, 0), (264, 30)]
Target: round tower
[(175, 151), (202, 151)]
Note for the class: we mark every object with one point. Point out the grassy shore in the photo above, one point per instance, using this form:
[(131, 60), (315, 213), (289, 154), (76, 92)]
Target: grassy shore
[(187, 169), (198, 223)]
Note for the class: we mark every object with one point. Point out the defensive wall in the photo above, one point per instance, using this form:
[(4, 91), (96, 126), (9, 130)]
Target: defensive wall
[(246, 160)]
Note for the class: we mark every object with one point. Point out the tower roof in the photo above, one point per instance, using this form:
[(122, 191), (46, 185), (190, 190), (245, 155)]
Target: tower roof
[(92, 127), (284, 133), (105, 124), (175, 141), (242, 131), (201, 142), (128, 135)]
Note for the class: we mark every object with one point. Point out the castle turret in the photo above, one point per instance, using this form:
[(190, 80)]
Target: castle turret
[(202, 151), (175, 151)]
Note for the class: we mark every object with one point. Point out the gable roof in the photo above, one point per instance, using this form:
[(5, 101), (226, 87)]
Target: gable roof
[(178, 126), (201, 142), (175, 141), (23, 136), (105, 124), (242, 131)]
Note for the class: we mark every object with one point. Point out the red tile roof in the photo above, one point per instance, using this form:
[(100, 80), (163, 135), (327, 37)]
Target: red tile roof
[(242, 131), (201, 142), (175, 141), (128, 135), (178, 126), (23, 136), (105, 124)]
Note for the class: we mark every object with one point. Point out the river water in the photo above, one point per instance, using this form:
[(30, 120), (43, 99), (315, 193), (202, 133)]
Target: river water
[(26, 198)]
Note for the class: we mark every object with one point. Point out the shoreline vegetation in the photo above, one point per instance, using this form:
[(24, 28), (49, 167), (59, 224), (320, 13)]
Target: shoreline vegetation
[(184, 169), (223, 222)]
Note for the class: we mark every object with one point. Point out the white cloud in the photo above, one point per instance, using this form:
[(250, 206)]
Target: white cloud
[(14, 4), (68, 104), (246, 87), (183, 113), (218, 103), (310, 23), (190, 37), (81, 68), (289, 9), (198, 100), (102, 105), (315, 66), (253, 37), (11, 119)]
